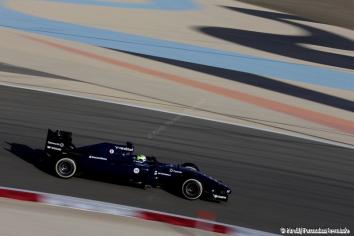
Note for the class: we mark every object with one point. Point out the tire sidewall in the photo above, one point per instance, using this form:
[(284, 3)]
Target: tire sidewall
[(190, 166), (200, 187), (67, 159)]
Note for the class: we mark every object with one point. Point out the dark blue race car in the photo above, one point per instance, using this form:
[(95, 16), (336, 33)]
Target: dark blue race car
[(119, 162)]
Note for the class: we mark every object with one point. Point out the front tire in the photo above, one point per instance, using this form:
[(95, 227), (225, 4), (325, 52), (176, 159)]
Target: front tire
[(192, 189), (190, 166), (65, 168)]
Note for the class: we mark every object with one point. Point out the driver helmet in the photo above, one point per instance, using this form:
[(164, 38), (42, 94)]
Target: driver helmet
[(141, 158)]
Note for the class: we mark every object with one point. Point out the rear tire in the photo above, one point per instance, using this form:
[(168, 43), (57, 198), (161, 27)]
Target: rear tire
[(65, 168), (192, 189)]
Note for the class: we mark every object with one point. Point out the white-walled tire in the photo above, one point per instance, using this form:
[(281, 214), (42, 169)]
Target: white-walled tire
[(192, 189), (190, 166), (65, 168)]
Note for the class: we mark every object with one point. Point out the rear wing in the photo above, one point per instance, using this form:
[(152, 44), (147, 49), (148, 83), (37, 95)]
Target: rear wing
[(58, 141)]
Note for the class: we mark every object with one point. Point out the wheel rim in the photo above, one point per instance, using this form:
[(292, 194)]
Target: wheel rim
[(65, 168), (192, 189)]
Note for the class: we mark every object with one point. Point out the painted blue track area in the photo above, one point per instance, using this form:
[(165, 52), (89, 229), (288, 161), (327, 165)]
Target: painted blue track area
[(173, 50), (167, 5)]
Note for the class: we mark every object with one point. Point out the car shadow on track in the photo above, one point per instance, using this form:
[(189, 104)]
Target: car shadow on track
[(30, 155), (37, 157)]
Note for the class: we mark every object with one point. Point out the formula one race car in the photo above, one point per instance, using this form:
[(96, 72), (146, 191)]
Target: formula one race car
[(119, 162)]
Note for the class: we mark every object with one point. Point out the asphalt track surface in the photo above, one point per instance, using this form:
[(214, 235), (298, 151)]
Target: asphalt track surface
[(277, 181), (339, 12)]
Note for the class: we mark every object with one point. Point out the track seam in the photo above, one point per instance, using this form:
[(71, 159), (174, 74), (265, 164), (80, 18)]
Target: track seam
[(288, 133)]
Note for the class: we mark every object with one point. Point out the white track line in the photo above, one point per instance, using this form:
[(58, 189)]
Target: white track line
[(289, 133)]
